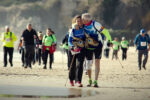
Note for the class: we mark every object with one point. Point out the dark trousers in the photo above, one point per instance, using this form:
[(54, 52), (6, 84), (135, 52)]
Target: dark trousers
[(40, 55), (8, 50), (115, 53), (22, 56), (106, 53), (140, 54), (29, 55), (124, 53), (76, 69), (46, 53)]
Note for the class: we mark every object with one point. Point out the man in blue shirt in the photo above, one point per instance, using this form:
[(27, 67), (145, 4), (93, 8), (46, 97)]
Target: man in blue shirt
[(142, 42)]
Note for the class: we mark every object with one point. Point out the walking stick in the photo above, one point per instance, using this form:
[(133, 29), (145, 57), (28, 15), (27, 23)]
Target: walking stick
[(70, 68), (120, 62)]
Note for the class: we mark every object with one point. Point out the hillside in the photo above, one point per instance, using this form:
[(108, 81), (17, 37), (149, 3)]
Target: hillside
[(123, 17)]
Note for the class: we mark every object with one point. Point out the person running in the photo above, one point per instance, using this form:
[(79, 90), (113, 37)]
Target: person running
[(124, 47), (115, 46), (28, 37), (94, 44), (77, 50), (49, 43), (8, 38), (142, 42)]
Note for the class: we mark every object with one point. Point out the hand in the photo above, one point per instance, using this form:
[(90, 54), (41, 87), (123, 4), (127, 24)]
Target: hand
[(34, 36)]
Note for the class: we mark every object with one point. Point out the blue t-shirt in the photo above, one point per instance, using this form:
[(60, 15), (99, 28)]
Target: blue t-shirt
[(142, 42)]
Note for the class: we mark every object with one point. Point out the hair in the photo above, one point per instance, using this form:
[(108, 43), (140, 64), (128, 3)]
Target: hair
[(51, 30), (75, 18), (87, 16)]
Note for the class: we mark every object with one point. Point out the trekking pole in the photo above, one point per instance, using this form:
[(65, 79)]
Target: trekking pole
[(70, 68), (120, 63)]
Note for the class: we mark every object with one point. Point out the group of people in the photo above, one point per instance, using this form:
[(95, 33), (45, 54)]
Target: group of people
[(116, 45), (83, 42), (33, 46)]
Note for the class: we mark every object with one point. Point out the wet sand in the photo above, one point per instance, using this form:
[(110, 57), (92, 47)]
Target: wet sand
[(116, 83)]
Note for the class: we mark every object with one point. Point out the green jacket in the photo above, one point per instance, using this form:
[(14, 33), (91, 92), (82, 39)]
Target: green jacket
[(124, 44), (8, 39), (49, 40), (116, 45)]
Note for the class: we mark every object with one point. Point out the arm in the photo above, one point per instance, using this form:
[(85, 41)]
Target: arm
[(54, 38), (3, 37), (100, 28), (70, 39)]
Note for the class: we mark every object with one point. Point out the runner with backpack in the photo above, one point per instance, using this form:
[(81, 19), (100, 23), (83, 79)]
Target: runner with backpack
[(142, 43), (49, 46)]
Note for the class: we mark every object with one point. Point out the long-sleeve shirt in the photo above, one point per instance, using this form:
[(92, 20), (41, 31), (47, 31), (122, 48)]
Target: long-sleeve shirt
[(76, 33), (142, 42), (28, 37), (8, 39), (93, 30)]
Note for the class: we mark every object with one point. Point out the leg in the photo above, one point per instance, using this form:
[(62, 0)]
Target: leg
[(145, 58), (97, 52), (5, 56), (10, 51), (79, 65), (31, 55), (51, 60), (89, 57), (22, 57), (140, 53), (45, 58), (72, 68)]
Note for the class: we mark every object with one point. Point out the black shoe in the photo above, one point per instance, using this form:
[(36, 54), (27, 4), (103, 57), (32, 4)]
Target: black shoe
[(26, 67), (96, 86), (139, 68), (5, 66), (144, 67), (11, 64), (22, 65), (44, 67)]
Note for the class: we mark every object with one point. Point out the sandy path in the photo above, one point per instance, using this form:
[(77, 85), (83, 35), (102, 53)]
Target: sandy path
[(116, 83)]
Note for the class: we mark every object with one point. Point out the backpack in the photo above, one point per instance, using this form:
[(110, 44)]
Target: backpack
[(102, 35)]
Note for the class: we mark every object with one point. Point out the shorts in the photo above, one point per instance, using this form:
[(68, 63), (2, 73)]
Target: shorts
[(96, 52)]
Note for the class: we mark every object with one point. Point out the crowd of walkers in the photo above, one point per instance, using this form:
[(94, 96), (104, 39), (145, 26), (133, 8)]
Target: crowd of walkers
[(83, 44)]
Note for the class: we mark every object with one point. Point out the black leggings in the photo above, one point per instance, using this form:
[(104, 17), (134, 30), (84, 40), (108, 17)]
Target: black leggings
[(76, 69), (46, 53), (124, 53), (8, 50)]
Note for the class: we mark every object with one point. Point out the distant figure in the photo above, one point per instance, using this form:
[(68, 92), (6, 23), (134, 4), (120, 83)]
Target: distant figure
[(21, 51), (115, 47), (49, 45), (142, 42), (65, 46), (106, 48), (8, 39), (28, 37), (124, 47), (39, 48)]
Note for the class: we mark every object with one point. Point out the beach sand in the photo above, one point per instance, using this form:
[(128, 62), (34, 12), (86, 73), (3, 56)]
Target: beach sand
[(115, 82)]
